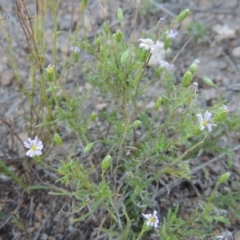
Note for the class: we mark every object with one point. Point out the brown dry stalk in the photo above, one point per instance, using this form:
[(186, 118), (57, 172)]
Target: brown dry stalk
[(26, 24)]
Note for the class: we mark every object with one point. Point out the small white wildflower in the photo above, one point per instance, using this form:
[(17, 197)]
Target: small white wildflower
[(165, 64), (152, 219), (35, 146), (75, 49), (204, 121), (172, 33), (147, 44)]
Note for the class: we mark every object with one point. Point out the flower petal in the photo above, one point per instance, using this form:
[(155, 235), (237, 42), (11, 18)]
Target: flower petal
[(152, 48), (35, 140), (200, 118), (38, 152), (30, 153), (39, 145), (209, 126), (202, 127), (147, 216), (207, 116), (145, 46), (26, 145)]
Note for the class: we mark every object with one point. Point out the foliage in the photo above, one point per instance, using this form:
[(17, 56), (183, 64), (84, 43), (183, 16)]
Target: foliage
[(126, 148)]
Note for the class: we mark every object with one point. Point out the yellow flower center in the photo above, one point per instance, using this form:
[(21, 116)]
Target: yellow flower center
[(49, 69), (152, 219), (204, 123), (149, 43), (33, 147)]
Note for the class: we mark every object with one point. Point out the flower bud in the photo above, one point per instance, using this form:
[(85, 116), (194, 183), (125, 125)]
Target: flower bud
[(88, 147), (94, 115), (194, 66), (183, 15), (120, 15), (158, 103), (49, 71), (137, 123), (76, 51), (195, 131), (106, 162), (125, 58), (224, 177), (209, 82), (83, 4), (118, 35), (221, 113), (167, 43), (187, 79), (106, 28), (57, 139)]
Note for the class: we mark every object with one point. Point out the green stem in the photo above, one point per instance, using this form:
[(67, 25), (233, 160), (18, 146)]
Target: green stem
[(140, 234), (55, 25)]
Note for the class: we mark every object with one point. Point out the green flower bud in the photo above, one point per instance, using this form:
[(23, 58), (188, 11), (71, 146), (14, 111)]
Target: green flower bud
[(50, 71), (167, 43), (125, 58), (187, 79), (137, 123), (94, 115), (98, 40), (194, 66), (57, 139), (106, 28), (84, 2), (88, 147), (158, 103), (76, 57), (221, 113), (118, 35), (224, 177), (120, 15), (195, 131), (209, 82), (183, 15), (106, 162)]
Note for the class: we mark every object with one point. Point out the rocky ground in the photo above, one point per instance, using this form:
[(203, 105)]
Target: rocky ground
[(44, 216)]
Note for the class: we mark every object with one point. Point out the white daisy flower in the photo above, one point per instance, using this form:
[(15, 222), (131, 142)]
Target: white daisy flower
[(152, 219), (204, 121), (172, 33), (147, 44), (165, 64), (35, 146)]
